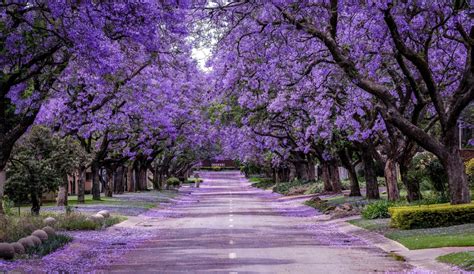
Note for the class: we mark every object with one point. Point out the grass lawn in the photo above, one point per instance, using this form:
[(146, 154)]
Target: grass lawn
[(255, 179), (127, 204), (464, 260), (72, 200), (459, 235)]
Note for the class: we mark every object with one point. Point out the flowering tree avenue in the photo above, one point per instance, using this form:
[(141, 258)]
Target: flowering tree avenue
[(136, 117), (412, 60), (43, 40)]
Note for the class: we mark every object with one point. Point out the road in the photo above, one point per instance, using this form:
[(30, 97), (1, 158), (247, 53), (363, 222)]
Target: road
[(226, 226)]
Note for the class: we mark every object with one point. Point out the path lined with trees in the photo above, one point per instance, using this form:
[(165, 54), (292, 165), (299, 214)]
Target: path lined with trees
[(372, 84), (230, 227), (345, 83), (373, 99)]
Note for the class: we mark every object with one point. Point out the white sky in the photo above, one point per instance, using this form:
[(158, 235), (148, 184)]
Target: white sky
[(202, 55)]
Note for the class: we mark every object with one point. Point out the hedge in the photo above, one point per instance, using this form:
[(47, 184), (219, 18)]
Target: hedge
[(173, 181), (426, 216)]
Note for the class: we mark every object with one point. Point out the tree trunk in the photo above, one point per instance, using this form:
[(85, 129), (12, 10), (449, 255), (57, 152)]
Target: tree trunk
[(275, 177), (95, 182), (283, 175), (301, 168), (35, 204), (334, 176), (143, 178), (108, 190), (63, 192), (73, 184), (355, 187), (81, 185), (326, 176), (457, 178), (161, 179), (130, 185), (3, 180), (391, 180), (124, 179), (136, 177), (311, 170), (413, 187), (291, 173), (119, 180), (156, 178), (140, 178), (372, 188), (347, 164)]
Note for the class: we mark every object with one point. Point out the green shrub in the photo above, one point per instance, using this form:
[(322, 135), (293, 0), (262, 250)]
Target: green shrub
[(173, 181), (49, 245), (193, 180), (427, 171), (75, 221), (13, 228), (113, 220), (297, 190), (426, 216), (470, 171), (438, 176), (315, 188), (431, 198), (263, 183), (285, 187), (8, 206), (250, 168), (377, 210), (321, 205)]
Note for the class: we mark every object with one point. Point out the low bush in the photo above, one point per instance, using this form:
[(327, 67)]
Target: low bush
[(263, 183), (470, 171), (321, 205), (13, 228), (193, 180), (173, 182), (113, 220), (77, 221), (377, 210), (430, 198), (426, 216), (8, 206), (48, 246), (285, 187), (427, 171), (297, 190), (315, 188)]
